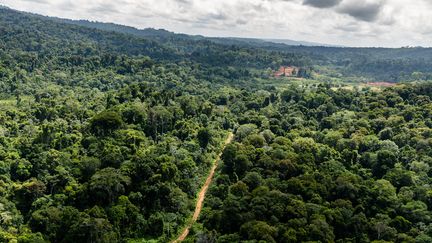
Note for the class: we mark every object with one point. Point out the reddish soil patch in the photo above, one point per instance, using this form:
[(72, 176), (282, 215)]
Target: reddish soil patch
[(381, 84)]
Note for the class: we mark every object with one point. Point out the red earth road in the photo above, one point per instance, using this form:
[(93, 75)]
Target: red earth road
[(202, 193)]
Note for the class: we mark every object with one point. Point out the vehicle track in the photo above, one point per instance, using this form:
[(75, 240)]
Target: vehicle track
[(202, 193)]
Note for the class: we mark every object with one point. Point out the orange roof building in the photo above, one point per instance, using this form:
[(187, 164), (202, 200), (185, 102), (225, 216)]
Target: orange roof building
[(286, 72)]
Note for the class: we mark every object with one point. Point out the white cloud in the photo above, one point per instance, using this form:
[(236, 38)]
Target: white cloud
[(342, 22)]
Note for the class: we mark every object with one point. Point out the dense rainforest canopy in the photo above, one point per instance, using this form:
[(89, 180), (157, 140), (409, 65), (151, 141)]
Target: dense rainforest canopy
[(108, 132)]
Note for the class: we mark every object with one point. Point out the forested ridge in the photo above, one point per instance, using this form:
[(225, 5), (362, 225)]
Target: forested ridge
[(394, 65), (107, 136)]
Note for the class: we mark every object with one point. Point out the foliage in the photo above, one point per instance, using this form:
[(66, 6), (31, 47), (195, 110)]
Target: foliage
[(335, 166), (106, 136)]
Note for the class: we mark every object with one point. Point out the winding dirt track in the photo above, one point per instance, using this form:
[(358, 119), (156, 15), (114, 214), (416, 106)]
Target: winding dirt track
[(201, 195)]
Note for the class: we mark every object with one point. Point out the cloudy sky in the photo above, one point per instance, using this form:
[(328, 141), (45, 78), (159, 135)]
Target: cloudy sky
[(391, 23)]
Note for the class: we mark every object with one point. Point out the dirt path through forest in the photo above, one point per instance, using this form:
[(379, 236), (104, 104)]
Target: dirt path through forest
[(201, 195)]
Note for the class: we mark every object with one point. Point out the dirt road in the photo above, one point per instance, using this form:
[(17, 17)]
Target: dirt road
[(201, 195)]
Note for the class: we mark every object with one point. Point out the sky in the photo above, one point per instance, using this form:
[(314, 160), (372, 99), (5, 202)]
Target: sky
[(388, 23)]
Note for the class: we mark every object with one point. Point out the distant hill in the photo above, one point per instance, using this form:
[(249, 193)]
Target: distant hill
[(44, 35), (270, 44), (381, 64), (162, 34), (147, 32), (298, 43)]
